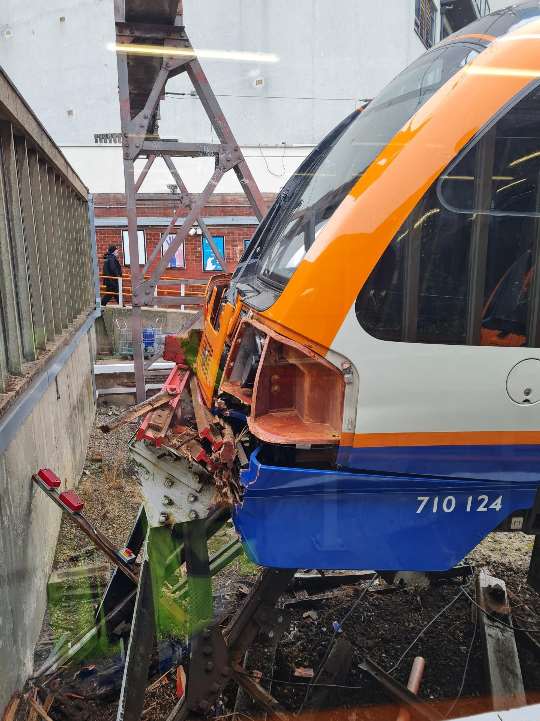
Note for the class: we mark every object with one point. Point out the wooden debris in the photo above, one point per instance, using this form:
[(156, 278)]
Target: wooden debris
[(203, 418), (501, 656), (227, 453), (38, 709), (316, 582), (139, 410), (11, 710), (32, 696), (302, 672), (177, 441)]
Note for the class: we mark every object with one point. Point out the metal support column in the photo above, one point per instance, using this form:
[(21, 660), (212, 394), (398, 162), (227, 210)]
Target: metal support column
[(142, 82)]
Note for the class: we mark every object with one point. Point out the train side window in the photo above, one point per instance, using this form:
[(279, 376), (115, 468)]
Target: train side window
[(461, 268), (500, 173)]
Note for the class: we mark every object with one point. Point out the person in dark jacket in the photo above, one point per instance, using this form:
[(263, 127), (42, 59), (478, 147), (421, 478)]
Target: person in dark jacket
[(112, 270)]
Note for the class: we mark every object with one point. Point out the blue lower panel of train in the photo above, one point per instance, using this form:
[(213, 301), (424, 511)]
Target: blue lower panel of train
[(306, 518)]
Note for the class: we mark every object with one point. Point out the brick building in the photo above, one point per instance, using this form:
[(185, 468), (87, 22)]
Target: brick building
[(229, 218)]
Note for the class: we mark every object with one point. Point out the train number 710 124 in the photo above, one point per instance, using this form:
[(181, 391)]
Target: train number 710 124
[(448, 504)]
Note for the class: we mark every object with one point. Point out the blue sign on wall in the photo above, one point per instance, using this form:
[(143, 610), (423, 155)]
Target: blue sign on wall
[(210, 262)]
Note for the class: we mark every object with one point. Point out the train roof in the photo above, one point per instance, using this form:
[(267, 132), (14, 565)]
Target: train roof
[(501, 22)]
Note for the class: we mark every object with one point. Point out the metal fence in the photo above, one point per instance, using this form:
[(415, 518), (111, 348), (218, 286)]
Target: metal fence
[(166, 287), (46, 256)]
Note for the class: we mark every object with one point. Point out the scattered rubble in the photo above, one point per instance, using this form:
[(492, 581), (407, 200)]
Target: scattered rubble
[(323, 610)]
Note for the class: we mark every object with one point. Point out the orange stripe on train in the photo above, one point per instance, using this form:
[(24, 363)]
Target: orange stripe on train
[(460, 438)]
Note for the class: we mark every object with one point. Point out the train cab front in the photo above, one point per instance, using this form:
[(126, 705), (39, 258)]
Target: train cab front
[(376, 350)]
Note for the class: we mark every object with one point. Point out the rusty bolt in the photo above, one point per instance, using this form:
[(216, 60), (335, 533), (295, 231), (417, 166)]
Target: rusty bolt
[(169, 482), (192, 498), (167, 501), (163, 518), (192, 515), (276, 389)]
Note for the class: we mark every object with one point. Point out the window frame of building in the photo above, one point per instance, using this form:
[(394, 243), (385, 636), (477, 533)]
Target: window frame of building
[(468, 275), (142, 247), (425, 21), (218, 239), (181, 247)]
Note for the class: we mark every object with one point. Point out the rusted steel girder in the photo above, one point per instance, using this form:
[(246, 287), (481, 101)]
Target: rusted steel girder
[(156, 26)]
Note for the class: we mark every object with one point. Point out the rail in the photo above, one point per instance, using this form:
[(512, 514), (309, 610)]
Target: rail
[(46, 249), (167, 287)]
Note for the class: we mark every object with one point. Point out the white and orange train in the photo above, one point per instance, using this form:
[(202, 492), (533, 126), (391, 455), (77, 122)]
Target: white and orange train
[(382, 333)]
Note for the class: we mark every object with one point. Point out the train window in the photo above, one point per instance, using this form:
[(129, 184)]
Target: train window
[(461, 268), (501, 172), (321, 183)]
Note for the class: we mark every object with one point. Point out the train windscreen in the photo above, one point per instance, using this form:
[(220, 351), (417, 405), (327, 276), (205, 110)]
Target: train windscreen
[(323, 180)]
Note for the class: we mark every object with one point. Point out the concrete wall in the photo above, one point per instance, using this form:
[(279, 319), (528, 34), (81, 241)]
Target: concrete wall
[(330, 56), (54, 435)]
